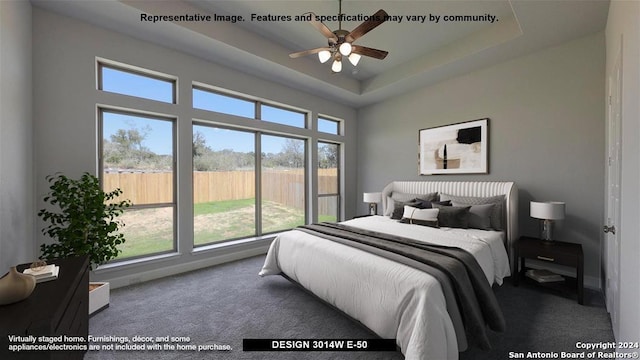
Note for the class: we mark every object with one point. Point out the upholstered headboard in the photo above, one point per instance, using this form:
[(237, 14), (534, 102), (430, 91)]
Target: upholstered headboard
[(466, 188)]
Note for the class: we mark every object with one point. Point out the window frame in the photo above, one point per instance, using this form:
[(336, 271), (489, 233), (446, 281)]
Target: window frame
[(305, 176), (305, 114), (134, 70), (203, 123), (183, 119), (101, 109), (339, 124), (257, 103), (338, 195), (258, 133), (201, 87)]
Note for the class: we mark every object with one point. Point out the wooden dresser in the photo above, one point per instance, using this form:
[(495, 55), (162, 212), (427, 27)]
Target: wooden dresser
[(56, 309)]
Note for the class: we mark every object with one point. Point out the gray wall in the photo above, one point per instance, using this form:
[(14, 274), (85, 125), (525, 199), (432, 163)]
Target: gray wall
[(16, 154), (546, 133), (65, 101)]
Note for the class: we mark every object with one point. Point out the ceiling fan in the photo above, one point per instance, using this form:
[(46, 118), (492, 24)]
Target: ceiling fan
[(340, 42)]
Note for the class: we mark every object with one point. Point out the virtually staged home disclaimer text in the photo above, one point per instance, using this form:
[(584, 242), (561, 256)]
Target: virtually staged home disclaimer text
[(31, 343), (151, 343), (421, 18)]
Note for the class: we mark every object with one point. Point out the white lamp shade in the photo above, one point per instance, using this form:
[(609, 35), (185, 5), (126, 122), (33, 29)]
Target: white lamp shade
[(547, 210), (372, 197), (354, 58), (324, 55), (345, 49), (337, 66)]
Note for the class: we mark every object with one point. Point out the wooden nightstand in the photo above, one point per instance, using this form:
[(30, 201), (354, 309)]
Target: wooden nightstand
[(556, 252)]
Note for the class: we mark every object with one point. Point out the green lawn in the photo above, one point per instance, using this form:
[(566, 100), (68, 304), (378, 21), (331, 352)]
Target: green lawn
[(150, 230), (215, 207)]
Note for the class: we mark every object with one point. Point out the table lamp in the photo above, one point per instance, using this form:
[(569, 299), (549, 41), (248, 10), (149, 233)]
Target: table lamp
[(372, 199), (547, 212)]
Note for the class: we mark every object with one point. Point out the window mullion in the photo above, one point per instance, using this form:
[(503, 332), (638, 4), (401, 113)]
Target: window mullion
[(258, 182)]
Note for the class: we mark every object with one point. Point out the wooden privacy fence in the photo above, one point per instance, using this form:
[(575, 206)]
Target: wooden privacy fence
[(282, 186)]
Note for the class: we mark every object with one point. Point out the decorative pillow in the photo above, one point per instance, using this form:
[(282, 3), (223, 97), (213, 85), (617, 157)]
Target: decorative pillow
[(425, 217), (453, 216), (479, 216), (429, 204), (398, 207), (406, 197), (497, 216)]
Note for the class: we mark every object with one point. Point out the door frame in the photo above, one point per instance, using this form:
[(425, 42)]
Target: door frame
[(611, 246)]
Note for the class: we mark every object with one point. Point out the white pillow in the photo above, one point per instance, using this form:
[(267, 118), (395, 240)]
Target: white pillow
[(413, 213)]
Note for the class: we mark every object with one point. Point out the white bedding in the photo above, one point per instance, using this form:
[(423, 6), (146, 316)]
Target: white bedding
[(393, 300)]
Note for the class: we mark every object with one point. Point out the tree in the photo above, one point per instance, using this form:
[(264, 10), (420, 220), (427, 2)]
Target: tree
[(292, 153), (328, 156), (200, 144), (126, 149), (131, 139)]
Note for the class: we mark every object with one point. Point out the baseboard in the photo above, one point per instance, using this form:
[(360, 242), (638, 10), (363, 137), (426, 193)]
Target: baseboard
[(169, 270)]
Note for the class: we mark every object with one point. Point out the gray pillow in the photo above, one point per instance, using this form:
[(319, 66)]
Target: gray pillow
[(453, 216), (429, 204), (405, 197), (398, 208), (479, 216), (429, 223), (497, 215)]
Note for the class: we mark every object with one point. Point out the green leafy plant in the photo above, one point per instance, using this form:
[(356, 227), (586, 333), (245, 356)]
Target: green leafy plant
[(85, 222)]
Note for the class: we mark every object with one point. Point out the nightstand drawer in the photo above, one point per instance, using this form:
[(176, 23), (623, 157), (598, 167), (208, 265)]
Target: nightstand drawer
[(550, 254)]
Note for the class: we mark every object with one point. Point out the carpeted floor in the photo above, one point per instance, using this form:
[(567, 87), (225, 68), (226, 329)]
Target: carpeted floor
[(222, 305)]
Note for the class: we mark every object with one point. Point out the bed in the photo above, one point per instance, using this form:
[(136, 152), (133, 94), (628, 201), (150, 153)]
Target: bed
[(400, 297)]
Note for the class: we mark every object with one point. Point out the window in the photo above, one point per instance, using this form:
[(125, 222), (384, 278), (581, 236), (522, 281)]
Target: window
[(283, 182), (249, 176), (223, 184), (131, 83), (211, 101), (137, 156), (328, 181), (282, 116), (328, 126)]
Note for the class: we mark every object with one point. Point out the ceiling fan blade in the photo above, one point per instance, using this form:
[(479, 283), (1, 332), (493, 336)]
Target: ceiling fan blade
[(323, 29), (377, 19), (370, 52), (307, 52)]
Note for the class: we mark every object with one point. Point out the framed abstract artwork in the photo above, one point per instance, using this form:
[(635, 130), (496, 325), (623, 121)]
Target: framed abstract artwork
[(455, 149)]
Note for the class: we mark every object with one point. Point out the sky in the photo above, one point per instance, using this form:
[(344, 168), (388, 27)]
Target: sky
[(158, 133)]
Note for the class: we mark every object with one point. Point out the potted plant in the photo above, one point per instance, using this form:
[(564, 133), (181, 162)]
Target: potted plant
[(84, 223)]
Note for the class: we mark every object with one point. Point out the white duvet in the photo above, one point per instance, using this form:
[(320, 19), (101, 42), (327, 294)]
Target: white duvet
[(391, 299)]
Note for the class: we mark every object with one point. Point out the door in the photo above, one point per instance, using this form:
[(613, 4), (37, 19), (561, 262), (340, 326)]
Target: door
[(612, 212)]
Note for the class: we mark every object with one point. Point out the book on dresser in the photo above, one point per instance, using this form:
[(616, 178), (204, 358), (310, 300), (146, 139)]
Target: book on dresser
[(543, 276), (47, 273)]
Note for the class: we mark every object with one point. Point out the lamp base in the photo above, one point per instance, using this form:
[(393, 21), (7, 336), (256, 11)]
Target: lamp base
[(546, 232), (373, 209)]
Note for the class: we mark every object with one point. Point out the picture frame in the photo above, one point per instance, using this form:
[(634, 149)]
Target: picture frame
[(460, 148)]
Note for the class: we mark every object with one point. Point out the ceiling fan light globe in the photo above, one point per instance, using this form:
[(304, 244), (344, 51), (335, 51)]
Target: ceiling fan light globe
[(354, 59), (337, 66), (324, 56), (345, 48)]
